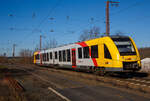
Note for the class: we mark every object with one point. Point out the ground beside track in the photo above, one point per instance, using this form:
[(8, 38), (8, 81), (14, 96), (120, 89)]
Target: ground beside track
[(36, 81)]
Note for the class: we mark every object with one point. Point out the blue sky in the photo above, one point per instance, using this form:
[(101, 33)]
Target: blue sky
[(21, 20)]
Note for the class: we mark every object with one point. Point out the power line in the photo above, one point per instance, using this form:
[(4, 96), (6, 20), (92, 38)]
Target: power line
[(52, 9), (42, 21), (18, 29), (49, 13), (128, 7), (120, 11)]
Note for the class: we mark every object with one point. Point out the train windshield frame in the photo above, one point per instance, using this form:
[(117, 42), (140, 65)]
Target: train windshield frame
[(124, 45)]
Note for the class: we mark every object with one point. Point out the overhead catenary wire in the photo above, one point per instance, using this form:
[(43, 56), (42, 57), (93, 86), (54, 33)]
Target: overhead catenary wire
[(115, 13), (42, 21), (52, 9), (135, 4), (49, 13), (138, 3)]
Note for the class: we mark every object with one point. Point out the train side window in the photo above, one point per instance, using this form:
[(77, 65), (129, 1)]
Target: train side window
[(50, 55), (47, 57), (80, 53), (68, 55), (64, 55), (38, 56), (60, 56), (55, 55), (86, 52), (94, 51), (107, 53)]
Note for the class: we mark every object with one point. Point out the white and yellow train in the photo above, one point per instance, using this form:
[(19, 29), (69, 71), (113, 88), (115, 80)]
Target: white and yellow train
[(109, 53)]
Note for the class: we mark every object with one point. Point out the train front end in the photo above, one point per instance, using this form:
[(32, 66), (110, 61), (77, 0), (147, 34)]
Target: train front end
[(129, 55)]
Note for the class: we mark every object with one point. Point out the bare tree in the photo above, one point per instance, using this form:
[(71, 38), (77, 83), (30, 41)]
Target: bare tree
[(84, 36), (26, 56), (52, 43), (25, 53), (94, 32)]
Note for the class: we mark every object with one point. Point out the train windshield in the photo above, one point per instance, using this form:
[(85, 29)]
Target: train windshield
[(124, 46)]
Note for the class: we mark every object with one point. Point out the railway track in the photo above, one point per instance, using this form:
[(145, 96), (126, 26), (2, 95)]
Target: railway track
[(143, 81)]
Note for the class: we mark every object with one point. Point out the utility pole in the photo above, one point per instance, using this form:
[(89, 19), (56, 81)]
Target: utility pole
[(40, 42), (13, 53), (41, 36), (107, 15)]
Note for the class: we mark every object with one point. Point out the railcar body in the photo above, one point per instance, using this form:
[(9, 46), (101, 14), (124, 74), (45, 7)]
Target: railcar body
[(109, 53)]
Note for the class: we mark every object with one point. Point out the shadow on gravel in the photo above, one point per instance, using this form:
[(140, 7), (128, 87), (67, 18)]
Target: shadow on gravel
[(124, 75), (13, 72), (130, 75)]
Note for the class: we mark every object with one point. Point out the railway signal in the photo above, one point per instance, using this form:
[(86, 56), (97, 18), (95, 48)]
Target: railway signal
[(107, 15)]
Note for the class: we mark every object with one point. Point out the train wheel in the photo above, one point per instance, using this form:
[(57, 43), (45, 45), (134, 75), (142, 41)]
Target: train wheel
[(100, 71)]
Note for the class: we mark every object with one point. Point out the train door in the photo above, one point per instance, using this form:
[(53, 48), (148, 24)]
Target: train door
[(74, 58), (107, 57)]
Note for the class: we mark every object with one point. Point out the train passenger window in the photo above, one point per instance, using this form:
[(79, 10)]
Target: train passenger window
[(50, 55), (47, 57), (60, 56), (64, 55), (55, 55), (94, 51), (68, 55), (86, 52), (106, 52), (80, 53)]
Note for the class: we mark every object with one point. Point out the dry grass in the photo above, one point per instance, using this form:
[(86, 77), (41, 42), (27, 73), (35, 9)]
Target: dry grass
[(3, 59), (16, 60), (144, 52)]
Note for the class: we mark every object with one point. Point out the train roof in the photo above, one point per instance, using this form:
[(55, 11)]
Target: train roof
[(119, 36), (111, 36)]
